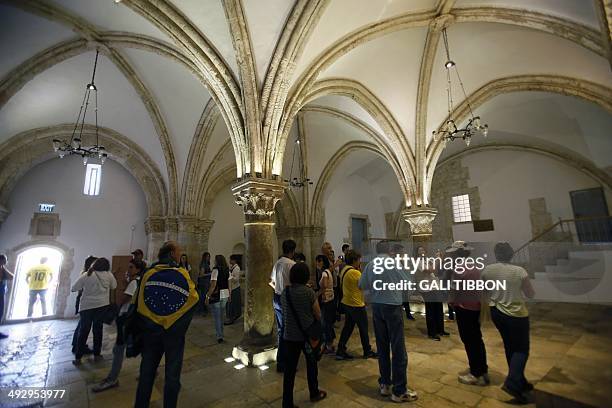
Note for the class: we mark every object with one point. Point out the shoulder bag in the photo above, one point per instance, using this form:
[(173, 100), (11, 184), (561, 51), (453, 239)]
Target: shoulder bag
[(312, 334)]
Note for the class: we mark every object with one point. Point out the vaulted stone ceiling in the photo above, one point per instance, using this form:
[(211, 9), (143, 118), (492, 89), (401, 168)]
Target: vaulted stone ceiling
[(187, 80)]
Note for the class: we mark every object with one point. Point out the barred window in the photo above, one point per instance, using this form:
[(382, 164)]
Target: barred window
[(461, 208)]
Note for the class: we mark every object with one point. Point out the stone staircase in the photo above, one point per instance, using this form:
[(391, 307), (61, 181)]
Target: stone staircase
[(583, 276)]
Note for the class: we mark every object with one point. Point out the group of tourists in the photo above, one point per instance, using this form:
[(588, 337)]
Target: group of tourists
[(154, 311), (301, 302)]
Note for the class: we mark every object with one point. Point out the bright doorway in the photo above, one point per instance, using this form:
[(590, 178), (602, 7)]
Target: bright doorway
[(20, 293)]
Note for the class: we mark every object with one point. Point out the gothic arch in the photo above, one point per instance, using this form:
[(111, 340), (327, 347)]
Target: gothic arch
[(580, 88), (317, 216), (27, 149), (392, 143)]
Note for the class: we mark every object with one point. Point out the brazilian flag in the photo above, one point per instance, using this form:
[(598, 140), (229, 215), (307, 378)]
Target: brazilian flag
[(166, 294)]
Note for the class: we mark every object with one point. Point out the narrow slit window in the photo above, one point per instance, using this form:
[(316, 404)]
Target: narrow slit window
[(93, 176), (461, 208)]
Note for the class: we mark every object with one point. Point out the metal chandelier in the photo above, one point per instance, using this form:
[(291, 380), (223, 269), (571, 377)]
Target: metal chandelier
[(450, 131), (75, 145)]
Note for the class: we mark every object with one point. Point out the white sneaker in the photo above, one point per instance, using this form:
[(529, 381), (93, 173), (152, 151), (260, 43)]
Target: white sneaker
[(408, 396), (470, 379), (385, 390)]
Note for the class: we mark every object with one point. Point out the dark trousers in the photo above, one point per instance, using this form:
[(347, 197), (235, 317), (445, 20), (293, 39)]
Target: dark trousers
[(43, 302), (278, 313), (392, 356), (468, 323), (293, 350), (355, 316), (336, 301), (90, 318), (234, 308), (156, 344), (451, 312), (515, 334), (407, 309), (328, 318), (434, 315), (75, 337)]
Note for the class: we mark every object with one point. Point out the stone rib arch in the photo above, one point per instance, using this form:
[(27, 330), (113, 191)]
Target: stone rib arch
[(580, 88), (222, 84), (317, 217), (194, 169), (566, 156), (394, 140), (569, 30), (27, 149), (379, 141)]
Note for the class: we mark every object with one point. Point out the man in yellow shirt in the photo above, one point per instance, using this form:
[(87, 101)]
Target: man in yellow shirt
[(354, 308), (38, 278)]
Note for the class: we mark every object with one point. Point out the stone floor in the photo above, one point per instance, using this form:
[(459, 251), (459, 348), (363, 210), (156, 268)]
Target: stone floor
[(571, 354)]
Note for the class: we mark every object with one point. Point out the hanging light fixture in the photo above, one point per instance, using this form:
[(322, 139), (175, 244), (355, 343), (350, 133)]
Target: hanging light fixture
[(450, 131), (302, 180), (75, 145)]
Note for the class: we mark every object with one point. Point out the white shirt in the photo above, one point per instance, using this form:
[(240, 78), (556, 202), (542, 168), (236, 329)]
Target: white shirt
[(223, 293), (280, 274), (235, 273), (96, 289), (129, 290)]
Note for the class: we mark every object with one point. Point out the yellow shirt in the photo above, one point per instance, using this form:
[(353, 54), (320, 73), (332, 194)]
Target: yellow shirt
[(38, 277), (351, 294)]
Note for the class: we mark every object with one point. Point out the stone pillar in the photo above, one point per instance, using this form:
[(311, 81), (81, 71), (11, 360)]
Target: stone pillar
[(258, 198), (155, 229), (420, 220), (192, 234)]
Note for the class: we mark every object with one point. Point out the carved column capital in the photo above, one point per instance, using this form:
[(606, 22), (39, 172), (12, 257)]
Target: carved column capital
[(155, 224), (258, 197), (420, 220), (203, 226)]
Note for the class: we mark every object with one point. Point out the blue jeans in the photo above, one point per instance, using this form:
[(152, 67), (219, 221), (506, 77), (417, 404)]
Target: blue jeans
[(90, 320), (278, 313), (515, 334), (389, 332), (218, 309)]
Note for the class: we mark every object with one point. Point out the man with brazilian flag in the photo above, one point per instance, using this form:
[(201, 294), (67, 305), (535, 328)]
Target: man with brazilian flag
[(165, 302)]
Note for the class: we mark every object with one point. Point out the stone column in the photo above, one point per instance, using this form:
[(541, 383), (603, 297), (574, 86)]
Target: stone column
[(155, 229), (192, 235), (258, 198), (420, 220)]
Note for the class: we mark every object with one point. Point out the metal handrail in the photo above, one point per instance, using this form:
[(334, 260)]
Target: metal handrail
[(560, 223)]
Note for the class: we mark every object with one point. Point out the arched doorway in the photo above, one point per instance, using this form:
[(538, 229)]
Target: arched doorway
[(52, 288), (35, 284)]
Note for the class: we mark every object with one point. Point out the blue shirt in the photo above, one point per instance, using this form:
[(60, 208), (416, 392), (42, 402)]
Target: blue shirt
[(372, 284)]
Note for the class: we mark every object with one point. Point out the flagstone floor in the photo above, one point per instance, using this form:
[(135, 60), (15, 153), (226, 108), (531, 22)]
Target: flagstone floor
[(571, 354)]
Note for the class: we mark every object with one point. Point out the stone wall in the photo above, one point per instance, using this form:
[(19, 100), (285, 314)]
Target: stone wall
[(451, 179)]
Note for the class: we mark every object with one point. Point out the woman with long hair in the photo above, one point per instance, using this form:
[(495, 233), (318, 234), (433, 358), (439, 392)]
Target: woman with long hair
[(324, 282), (96, 285), (219, 293)]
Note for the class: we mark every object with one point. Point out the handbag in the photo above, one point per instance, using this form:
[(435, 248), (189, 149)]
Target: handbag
[(110, 311), (312, 334)]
